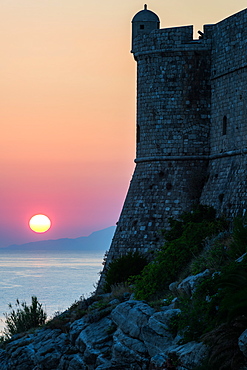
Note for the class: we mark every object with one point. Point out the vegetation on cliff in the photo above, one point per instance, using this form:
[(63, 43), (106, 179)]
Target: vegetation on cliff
[(213, 312), (122, 268), (24, 317), (184, 241), (216, 312)]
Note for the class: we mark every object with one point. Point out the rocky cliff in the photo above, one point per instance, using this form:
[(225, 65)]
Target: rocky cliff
[(114, 332)]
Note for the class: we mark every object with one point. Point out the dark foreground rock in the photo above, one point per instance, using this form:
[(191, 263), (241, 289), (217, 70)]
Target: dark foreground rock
[(132, 335), (111, 334)]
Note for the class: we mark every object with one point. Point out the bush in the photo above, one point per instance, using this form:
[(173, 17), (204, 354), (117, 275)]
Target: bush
[(24, 317), (239, 245), (223, 249), (122, 268), (184, 241), (218, 299)]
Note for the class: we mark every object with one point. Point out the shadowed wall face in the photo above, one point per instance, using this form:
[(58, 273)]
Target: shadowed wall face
[(226, 188)]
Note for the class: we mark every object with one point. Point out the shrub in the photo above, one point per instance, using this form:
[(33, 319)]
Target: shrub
[(122, 268), (24, 317), (239, 245), (224, 350), (218, 298), (189, 233), (233, 288), (200, 314)]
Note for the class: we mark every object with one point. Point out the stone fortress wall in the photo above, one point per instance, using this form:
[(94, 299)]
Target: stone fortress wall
[(191, 126), (226, 185)]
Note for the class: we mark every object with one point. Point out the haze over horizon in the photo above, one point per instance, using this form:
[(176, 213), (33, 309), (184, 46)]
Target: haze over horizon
[(68, 109), (97, 241)]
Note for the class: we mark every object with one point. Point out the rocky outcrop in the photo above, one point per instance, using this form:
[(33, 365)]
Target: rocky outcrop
[(242, 343), (188, 286), (131, 335), (113, 334)]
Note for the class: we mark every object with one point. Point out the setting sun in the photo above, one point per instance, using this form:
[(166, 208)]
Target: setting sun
[(40, 223)]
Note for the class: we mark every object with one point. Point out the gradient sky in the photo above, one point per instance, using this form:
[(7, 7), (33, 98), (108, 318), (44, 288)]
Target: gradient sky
[(67, 108)]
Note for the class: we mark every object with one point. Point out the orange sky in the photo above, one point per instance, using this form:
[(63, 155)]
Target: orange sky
[(67, 108)]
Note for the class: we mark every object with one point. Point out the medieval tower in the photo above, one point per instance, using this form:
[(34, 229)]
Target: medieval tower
[(191, 130)]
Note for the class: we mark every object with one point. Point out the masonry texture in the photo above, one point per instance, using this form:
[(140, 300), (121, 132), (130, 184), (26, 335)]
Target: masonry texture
[(191, 126)]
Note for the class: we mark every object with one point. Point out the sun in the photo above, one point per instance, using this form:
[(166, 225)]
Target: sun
[(40, 223)]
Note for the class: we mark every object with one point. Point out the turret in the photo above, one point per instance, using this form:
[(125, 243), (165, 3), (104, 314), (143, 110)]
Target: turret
[(144, 22)]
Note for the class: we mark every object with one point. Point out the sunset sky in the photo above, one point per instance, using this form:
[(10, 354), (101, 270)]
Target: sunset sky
[(67, 108)]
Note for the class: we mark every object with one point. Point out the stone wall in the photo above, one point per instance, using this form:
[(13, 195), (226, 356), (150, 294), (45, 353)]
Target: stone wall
[(173, 97), (191, 128), (226, 186), (158, 190)]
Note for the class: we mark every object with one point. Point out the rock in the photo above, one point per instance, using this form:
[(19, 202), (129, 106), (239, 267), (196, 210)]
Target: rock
[(128, 339), (160, 321), (106, 366), (23, 359), (157, 334), (76, 327), (4, 360), (102, 362), (131, 316), (134, 344), (240, 259), (126, 296), (72, 362), (95, 340), (173, 287), (188, 286), (190, 355), (77, 363), (127, 351), (114, 302), (242, 343), (90, 355), (159, 360), (94, 334), (48, 352)]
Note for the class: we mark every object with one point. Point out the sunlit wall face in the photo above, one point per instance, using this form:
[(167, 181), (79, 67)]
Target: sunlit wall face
[(67, 108)]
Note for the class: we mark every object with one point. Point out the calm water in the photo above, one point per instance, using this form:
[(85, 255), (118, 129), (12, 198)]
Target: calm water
[(56, 278)]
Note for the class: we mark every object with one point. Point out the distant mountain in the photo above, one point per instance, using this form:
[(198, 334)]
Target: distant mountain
[(98, 241)]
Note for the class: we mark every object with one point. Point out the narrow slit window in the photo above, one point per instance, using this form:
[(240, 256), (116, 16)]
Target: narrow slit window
[(141, 26), (224, 128)]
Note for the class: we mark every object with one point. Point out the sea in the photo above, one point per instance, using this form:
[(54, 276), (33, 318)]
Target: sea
[(57, 279)]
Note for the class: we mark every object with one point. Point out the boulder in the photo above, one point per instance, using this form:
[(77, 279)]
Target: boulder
[(173, 287), (131, 316), (76, 327), (48, 352), (188, 286), (128, 352), (242, 343), (159, 360), (157, 334), (77, 363), (95, 340), (189, 355)]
